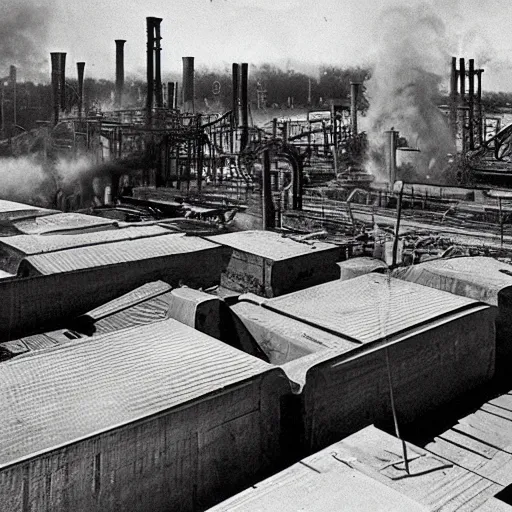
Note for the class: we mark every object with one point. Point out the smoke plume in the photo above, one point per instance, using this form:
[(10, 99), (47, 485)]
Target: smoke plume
[(411, 60), (24, 32), (24, 179)]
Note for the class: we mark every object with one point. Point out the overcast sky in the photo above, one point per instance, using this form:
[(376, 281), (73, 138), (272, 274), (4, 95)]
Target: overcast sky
[(303, 33)]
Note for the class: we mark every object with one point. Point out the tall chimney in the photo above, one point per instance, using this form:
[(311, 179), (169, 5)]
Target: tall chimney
[(245, 105), (119, 72), (471, 103), (80, 67), (158, 69), (390, 154), (12, 78), (55, 62), (354, 93), (170, 95), (236, 92), (175, 99), (453, 97), (462, 76), (479, 106), (63, 81), (188, 84), (150, 62)]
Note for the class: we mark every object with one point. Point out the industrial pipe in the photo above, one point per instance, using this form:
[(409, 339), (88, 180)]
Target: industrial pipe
[(119, 72), (354, 93), (63, 81), (390, 154), (12, 78), (245, 105), (80, 66), (479, 106), (471, 103), (170, 95), (188, 84), (150, 63), (453, 97), (55, 63), (236, 92), (158, 69)]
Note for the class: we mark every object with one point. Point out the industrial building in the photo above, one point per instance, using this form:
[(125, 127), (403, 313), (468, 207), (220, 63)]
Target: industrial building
[(346, 345), (157, 417), (366, 471)]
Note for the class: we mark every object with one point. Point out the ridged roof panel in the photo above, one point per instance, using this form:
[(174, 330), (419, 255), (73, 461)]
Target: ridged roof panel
[(268, 244), (116, 252), (369, 307), (61, 395), (38, 244)]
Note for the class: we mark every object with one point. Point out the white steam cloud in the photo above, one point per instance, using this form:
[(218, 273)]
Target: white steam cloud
[(411, 61)]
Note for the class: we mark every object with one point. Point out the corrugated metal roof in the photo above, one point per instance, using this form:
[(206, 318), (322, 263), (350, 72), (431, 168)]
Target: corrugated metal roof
[(38, 244), (116, 252), (478, 277), (12, 210), (61, 222), (268, 244), (74, 391), (140, 294), (369, 307)]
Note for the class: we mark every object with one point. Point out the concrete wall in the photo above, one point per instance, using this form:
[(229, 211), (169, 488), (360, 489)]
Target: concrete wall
[(30, 303), (429, 368), (186, 459)]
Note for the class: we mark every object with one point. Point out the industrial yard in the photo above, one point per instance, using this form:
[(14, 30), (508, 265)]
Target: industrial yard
[(256, 291)]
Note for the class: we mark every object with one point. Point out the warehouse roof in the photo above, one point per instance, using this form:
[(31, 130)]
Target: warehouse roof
[(365, 472), (60, 222), (61, 395), (116, 252), (12, 210), (38, 244), (479, 277), (146, 304), (268, 244), (369, 307)]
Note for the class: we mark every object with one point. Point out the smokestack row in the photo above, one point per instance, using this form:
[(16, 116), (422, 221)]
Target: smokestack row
[(470, 101)]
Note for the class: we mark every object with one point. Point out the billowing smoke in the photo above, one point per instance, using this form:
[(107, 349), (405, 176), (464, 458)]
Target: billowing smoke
[(412, 59), (24, 32), (24, 179)]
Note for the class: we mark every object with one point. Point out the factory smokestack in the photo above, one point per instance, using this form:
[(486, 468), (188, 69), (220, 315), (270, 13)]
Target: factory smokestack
[(63, 81), (453, 97), (150, 63), (390, 154), (354, 93), (12, 79), (80, 67), (55, 63), (188, 84), (170, 95), (119, 72), (158, 69), (245, 105), (471, 103), (236, 92)]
